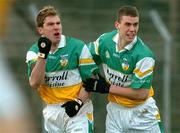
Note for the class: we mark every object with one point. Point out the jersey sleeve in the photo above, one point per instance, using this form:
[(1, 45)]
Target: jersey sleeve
[(143, 73), (87, 66), (31, 58), (94, 48)]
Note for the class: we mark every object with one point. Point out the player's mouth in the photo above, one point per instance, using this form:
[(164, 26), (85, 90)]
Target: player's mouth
[(130, 36), (57, 34)]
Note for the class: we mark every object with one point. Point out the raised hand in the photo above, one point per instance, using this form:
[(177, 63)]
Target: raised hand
[(44, 45)]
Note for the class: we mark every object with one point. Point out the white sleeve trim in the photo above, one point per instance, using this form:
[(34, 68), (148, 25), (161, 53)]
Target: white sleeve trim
[(31, 55), (144, 67)]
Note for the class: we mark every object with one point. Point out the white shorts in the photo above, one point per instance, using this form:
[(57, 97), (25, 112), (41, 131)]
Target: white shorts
[(57, 121), (141, 119)]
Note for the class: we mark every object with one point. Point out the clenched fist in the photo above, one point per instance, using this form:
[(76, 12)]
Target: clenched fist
[(44, 45)]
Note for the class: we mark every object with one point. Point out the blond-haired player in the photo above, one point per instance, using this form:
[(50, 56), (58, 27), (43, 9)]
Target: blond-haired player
[(57, 66)]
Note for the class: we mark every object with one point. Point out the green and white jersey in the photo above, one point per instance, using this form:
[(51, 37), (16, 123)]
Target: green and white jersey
[(66, 68), (131, 67)]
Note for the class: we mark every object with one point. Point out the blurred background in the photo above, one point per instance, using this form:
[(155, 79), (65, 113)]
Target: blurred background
[(86, 20)]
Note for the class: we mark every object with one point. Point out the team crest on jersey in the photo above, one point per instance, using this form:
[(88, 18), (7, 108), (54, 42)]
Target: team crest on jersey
[(63, 60), (125, 64), (107, 54)]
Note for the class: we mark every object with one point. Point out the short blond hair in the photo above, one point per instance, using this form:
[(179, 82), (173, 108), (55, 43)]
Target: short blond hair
[(45, 12)]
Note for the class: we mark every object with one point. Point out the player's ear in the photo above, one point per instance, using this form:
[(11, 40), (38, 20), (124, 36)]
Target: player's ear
[(116, 24), (39, 30)]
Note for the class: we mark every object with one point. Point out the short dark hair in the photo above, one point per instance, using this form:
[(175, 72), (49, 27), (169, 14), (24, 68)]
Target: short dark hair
[(127, 11), (45, 12)]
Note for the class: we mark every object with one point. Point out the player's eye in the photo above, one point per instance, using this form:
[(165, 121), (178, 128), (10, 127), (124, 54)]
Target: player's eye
[(128, 24), (135, 24)]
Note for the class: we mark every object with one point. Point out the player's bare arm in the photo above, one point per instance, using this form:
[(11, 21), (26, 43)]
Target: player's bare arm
[(138, 94), (38, 73), (101, 86)]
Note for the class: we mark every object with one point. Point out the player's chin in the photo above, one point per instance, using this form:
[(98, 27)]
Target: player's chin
[(56, 39), (130, 39)]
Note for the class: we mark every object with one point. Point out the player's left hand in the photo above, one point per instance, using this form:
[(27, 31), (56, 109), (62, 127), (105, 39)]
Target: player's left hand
[(96, 85), (72, 107)]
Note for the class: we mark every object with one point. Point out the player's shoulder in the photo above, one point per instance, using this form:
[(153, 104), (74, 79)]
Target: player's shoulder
[(143, 49), (32, 52), (34, 47), (74, 41), (106, 39), (108, 35)]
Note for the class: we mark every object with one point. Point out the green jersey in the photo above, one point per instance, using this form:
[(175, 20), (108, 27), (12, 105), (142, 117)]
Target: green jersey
[(131, 67), (66, 68)]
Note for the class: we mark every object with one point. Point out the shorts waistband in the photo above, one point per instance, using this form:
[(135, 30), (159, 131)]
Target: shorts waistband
[(58, 105)]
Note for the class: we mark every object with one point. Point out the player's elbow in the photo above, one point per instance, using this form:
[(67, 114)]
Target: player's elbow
[(33, 83), (142, 97), (143, 94)]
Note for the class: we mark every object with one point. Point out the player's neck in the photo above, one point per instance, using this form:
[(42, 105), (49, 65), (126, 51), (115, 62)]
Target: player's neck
[(54, 47), (121, 44)]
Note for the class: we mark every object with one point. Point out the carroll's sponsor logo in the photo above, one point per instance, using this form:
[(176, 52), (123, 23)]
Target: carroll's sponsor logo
[(56, 80), (116, 79)]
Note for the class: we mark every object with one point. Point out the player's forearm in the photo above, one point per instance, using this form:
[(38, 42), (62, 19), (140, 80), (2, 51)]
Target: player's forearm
[(38, 73), (138, 94)]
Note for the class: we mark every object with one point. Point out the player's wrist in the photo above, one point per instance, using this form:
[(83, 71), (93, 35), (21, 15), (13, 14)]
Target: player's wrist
[(79, 101), (42, 55)]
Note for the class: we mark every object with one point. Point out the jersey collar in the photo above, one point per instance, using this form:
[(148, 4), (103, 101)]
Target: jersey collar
[(127, 47), (62, 43)]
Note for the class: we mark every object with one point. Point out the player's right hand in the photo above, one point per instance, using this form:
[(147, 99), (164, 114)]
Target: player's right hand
[(44, 45)]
